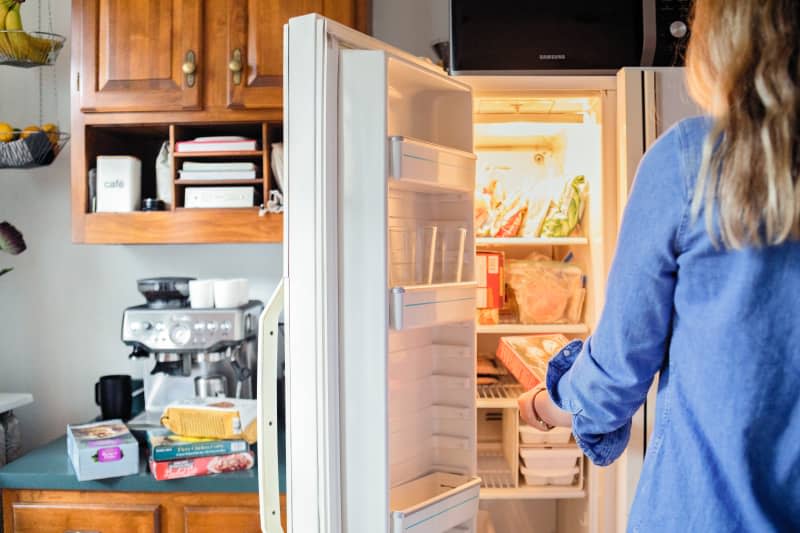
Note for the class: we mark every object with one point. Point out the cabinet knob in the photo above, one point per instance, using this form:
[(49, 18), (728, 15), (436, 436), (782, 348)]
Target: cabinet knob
[(189, 68), (235, 66)]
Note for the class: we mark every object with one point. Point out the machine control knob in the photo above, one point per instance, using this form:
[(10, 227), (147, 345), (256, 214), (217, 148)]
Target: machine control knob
[(211, 326), (180, 334), (199, 326), (225, 327), (141, 326), (678, 29)]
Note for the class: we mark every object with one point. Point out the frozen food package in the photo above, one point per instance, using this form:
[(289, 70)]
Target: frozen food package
[(546, 292), (201, 466), (565, 215), (526, 357), (214, 418)]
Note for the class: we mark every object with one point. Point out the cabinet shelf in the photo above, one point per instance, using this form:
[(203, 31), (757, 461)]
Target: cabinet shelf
[(181, 226), (185, 182), (240, 154), (532, 329)]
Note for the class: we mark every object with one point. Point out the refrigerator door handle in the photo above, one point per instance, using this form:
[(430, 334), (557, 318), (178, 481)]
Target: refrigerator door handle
[(268, 474)]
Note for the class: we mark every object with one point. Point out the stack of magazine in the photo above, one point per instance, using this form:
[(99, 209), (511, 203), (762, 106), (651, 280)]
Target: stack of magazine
[(173, 456), (228, 170)]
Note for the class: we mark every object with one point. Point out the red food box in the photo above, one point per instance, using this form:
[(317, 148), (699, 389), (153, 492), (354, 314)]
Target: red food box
[(526, 356), (489, 275), (201, 466)]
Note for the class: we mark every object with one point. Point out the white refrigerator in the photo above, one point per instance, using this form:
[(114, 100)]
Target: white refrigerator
[(384, 427)]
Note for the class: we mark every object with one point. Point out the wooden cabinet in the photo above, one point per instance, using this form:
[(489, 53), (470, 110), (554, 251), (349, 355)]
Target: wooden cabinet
[(178, 55), (134, 53), (141, 68), (255, 45), (52, 511)]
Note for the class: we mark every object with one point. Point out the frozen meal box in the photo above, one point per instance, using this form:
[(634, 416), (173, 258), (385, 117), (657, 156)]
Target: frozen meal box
[(526, 356), (489, 275), (167, 446), (212, 418), (102, 450), (201, 466)]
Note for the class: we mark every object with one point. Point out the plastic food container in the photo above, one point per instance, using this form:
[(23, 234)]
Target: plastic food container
[(549, 476), (531, 435), (550, 458)]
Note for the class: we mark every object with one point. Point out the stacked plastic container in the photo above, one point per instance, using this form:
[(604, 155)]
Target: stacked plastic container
[(549, 458)]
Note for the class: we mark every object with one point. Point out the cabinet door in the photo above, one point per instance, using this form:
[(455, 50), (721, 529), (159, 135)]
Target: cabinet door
[(255, 44), (215, 519), (84, 518), (134, 52)]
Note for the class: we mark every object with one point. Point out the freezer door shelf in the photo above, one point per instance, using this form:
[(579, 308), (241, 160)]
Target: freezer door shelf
[(426, 167), (431, 305), (436, 503)]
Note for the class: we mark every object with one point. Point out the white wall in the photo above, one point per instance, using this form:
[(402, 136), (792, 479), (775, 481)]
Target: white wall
[(61, 308), (412, 25)]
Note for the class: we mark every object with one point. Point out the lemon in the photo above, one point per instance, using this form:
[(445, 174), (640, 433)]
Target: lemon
[(6, 132), (52, 132), (28, 131)]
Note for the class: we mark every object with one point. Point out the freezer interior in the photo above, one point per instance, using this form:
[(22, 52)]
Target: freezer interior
[(537, 152)]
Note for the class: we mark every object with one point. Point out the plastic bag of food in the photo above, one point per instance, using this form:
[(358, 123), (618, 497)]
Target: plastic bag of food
[(546, 292), (565, 215), (217, 418)]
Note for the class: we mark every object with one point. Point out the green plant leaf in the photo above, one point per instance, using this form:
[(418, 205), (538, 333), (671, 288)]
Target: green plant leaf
[(11, 240)]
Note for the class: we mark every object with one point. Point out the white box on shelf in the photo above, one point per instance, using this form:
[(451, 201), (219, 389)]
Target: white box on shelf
[(119, 183), (434, 503), (531, 435), (219, 197), (556, 458), (549, 476)]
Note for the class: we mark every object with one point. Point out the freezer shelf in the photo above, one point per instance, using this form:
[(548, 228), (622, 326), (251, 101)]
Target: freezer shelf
[(431, 305), (435, 503), (424, 166)]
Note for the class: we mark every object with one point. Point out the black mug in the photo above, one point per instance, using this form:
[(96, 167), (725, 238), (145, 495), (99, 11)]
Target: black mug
[(113, 395)]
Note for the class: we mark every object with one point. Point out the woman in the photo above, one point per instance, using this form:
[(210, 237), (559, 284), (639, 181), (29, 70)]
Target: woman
[(705, 289)]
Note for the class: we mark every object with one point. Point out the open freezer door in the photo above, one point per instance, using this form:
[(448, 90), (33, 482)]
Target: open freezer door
[(337, 107), (649, 102)]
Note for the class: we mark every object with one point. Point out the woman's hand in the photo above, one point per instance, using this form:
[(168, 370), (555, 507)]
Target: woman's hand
[(537, 402)]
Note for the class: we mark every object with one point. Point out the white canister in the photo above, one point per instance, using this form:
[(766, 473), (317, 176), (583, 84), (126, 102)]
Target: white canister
[(201, 293), (119, 183)]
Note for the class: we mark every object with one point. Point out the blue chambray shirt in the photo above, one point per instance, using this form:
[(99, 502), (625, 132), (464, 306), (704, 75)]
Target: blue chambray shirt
[(723, 329)]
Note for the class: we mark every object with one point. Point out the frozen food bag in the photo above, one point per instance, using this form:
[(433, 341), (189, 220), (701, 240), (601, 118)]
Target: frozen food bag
[(546, 292), (565, 215)]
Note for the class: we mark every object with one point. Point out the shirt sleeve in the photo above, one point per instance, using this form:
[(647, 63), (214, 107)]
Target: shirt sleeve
[(604, 381)]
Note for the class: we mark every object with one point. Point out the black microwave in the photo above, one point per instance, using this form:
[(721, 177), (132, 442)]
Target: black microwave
[(561, 36)]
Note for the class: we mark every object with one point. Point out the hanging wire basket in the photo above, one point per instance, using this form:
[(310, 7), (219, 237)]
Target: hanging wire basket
[(20, 48), (27, 149)]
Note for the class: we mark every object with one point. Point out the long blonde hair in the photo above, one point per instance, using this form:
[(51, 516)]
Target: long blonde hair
[(743, 69)]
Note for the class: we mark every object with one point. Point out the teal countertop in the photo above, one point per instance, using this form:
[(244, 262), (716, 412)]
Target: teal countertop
[(48, 468)]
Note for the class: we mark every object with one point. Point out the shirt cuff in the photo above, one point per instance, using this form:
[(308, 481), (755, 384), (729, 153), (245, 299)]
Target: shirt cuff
[(601, 449)]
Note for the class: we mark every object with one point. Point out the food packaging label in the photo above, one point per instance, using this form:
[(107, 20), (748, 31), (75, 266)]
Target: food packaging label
[(201, 466)]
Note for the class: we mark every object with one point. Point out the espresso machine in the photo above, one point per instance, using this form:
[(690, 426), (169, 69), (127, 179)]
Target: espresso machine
[(189, 352)]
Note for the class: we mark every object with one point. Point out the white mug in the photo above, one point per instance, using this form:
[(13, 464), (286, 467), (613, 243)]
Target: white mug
[(201, 293), (226, 293)]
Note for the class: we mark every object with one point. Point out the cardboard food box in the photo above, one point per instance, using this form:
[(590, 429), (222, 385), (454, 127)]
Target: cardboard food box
[(102, 449), (489, 267), (526, 356), (201, 466), (167, 446)]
